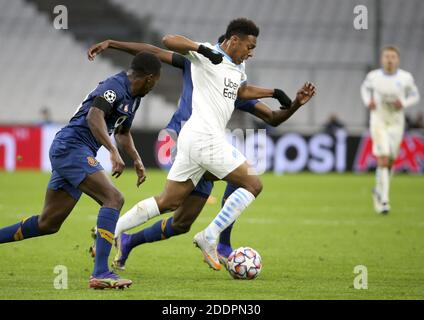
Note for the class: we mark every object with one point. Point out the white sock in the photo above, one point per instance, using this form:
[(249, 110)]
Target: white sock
[(235, 204), (378, 180), (385, 184), (139, 214)]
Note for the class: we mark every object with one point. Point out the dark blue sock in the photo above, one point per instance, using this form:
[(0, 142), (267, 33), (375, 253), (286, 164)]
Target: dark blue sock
[(27, 228), (160, 230), (106, 223), (225, 236)]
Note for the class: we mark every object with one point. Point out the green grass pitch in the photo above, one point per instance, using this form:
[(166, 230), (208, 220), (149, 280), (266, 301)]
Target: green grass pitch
[(311, 231)]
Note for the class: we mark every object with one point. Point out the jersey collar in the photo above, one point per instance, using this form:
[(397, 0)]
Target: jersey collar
[(389, 74), (127, 83), (219, 49)]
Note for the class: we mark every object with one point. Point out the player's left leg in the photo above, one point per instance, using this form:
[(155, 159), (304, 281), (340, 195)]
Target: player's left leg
[(99, 186), (383, 182), (224, 245), (58, 205)]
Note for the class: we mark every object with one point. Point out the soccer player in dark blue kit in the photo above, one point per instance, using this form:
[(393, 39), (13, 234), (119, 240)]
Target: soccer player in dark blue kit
[(191, 207), (109, 108)]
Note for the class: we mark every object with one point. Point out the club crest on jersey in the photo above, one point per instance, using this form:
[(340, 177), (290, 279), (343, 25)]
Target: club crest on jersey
[(92, 161), (110, 96)]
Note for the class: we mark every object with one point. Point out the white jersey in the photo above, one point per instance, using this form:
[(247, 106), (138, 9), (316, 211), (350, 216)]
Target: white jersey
[(385, 89), (215, 90)]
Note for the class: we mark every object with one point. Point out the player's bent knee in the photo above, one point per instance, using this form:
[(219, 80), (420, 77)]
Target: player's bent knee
[(48, 227), (116, 200), (180, 227), (167, 204), (256, 187)]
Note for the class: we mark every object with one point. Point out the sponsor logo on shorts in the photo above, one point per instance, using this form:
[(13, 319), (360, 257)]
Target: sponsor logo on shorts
[(92, 161)]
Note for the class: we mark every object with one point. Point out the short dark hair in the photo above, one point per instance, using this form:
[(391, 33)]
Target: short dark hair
[(146, 63), (242, 26), (221, 38), (391, 48)]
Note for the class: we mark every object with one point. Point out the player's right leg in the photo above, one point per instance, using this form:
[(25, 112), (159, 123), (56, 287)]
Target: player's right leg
[(58, 205), (166, 228), (381, 192), (249, 188), (169, 200), (381, 150)]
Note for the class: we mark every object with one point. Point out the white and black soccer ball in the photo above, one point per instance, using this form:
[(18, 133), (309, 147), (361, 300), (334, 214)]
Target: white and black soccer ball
[(244, 263), (110, 96)]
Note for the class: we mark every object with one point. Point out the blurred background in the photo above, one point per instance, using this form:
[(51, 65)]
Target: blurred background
[(45, 73)]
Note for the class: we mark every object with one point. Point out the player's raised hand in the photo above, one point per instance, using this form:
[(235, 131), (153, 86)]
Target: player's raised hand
[(305, 93), (140, 171), (96, 49), (372, 105), (214, 56), (118, 164)]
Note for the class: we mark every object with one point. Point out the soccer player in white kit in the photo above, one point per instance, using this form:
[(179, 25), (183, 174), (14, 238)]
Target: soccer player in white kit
[(387, 92), (218, 78)]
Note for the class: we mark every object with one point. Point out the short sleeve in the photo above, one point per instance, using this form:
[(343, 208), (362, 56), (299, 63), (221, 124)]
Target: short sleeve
[(243, 80), (196, 57), (111, 90)]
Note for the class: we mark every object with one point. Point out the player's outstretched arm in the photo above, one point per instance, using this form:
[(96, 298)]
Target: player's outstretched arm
[(132, 48), (249, 92), (276, 117), (124, 139), (183, 45), (96, 122)]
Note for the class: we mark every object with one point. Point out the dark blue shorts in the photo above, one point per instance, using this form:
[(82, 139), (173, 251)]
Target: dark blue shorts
[(71, 163), (203, 188)]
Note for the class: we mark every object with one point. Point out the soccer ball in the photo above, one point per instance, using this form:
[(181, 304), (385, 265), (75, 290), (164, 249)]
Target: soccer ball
[(244, 263)]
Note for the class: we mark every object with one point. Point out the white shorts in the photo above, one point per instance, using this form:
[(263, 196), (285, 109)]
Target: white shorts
[(198, 153), (386, 140)]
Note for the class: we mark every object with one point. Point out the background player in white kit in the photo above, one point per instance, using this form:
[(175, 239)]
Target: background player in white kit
[(218, 79), (387, 92)]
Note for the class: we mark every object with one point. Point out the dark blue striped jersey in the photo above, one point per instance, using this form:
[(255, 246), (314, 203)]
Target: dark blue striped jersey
[(116, 91)]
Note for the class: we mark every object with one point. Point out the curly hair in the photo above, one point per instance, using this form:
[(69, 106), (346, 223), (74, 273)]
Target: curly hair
[(242, 26)]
